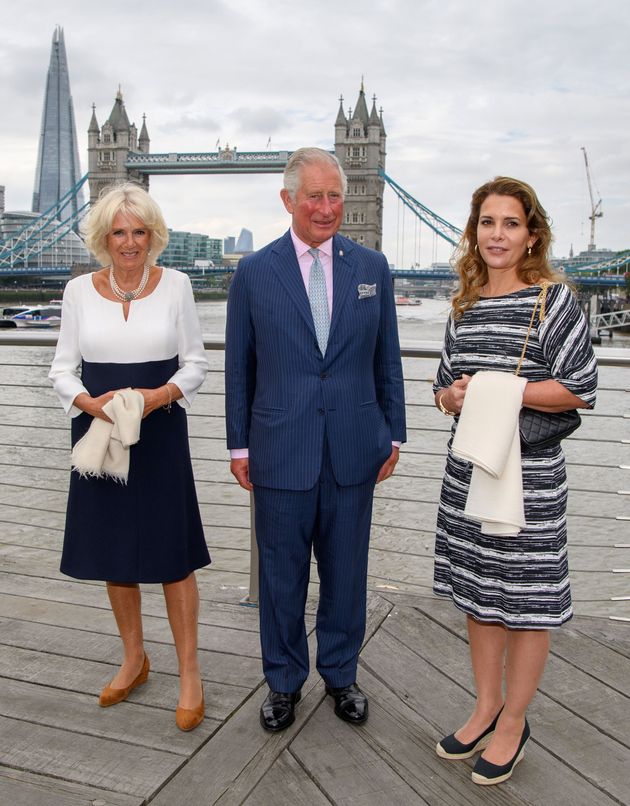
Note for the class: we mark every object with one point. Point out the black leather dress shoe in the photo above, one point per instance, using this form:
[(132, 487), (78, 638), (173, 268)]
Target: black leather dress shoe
[(351, 704), (278, 710), (486, 773)]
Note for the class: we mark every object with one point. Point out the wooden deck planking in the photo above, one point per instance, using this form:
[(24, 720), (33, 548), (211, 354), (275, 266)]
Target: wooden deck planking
[(346, 767), (77, 757), (242, 754), (427, 667), (286, 783), (229, 671), (53, 672), (575, 716), (19, 788), (215, 639), (145, 724)]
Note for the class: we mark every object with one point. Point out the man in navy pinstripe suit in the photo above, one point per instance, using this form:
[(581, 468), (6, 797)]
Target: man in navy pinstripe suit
[(315, 417)]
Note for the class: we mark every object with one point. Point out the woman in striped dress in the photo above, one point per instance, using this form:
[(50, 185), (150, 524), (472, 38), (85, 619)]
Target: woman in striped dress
[(512, 589)]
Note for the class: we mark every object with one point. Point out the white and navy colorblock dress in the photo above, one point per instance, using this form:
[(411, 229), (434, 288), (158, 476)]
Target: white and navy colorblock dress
[(521, 582), (148, 530)]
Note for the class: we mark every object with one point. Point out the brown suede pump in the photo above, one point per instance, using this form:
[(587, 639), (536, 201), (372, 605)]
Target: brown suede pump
[(188, 718), (112, 696)]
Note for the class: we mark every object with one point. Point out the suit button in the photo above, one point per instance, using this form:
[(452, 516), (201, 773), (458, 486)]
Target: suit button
[(323, 376), (320, 411)]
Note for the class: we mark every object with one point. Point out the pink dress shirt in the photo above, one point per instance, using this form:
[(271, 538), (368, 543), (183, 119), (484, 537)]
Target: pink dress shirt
[(306, 261)]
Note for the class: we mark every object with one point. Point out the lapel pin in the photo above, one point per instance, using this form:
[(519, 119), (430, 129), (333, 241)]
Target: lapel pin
[(341, 253)]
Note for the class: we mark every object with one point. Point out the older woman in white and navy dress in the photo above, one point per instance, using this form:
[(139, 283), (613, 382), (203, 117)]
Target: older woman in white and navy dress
[(134, 324)]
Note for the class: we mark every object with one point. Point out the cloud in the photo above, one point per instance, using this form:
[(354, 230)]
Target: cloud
[(259, 119), (468, 90)]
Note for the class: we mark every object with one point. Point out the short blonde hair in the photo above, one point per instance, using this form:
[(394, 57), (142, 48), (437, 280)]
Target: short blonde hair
[(130, 199)]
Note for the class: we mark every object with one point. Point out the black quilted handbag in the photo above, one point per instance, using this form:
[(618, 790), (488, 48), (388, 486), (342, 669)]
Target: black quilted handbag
[(540, 429)]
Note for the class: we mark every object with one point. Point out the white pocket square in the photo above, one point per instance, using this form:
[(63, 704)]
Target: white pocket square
[(366, 290)]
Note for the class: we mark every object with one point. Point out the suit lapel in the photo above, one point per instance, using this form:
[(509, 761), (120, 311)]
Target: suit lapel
[(344, 270), (287, 270)]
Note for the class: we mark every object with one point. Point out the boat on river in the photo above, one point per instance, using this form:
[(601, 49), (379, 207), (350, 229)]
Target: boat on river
[(6, 320), (401, 300), (39, 316)]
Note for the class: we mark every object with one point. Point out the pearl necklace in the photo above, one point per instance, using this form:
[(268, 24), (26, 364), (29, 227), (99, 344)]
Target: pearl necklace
[(128, 296)]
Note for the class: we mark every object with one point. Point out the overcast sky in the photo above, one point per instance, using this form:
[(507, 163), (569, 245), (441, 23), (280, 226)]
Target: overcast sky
[(469, 90)]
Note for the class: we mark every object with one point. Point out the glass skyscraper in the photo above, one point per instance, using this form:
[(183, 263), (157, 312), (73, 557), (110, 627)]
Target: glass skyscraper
[(58, 167), (184, 248)]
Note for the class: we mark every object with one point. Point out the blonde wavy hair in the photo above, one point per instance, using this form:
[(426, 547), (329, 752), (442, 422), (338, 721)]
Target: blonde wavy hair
[(132, 200), (473, 272)]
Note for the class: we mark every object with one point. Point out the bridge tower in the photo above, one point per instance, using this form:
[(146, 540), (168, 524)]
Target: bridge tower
[(108, 147), (360, 140)]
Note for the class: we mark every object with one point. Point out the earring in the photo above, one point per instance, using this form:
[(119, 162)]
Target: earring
[(475, 247), (529, 250)]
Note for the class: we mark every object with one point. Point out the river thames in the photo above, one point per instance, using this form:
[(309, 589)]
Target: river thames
[(416, 323)]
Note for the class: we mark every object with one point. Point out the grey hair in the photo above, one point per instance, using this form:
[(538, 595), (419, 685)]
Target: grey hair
[(131, 199), (309, 156)]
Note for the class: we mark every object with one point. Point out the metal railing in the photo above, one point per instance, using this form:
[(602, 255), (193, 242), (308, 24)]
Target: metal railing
[(607, 358)]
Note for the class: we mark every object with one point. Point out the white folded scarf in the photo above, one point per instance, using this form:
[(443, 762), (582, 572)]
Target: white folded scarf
[(104, 450), (487, 435)]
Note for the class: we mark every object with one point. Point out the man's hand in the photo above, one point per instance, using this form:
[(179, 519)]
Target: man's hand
[(388, 468), (240, 470)]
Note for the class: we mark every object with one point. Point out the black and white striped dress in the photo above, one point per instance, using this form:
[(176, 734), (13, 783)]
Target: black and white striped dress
[(521, 582)]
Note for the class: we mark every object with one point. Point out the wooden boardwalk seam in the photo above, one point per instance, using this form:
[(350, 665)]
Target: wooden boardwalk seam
[(59, 644)]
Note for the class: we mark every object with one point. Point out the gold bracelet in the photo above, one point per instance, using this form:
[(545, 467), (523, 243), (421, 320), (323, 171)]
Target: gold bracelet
[(442, 408), (167, 407)]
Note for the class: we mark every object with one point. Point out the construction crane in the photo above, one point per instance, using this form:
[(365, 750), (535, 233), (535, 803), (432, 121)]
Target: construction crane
[(596, 211)]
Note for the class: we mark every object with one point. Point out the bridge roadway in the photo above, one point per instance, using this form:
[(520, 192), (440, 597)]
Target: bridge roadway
[(224, 161), (58, 642), (64, 272)]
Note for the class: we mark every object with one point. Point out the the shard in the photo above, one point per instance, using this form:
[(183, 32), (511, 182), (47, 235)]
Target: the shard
[(58, 167)]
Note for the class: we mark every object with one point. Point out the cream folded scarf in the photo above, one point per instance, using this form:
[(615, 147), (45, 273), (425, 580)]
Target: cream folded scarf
[(104, 450), (487, 435)]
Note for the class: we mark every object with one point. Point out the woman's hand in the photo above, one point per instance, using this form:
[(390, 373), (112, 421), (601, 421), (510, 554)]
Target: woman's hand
[(452, 398), (156, 398), (94, 405)]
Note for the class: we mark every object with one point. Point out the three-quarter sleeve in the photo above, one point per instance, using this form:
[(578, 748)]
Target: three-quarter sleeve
[(444, 375), (65, 370), (566, 344), (193, 364)]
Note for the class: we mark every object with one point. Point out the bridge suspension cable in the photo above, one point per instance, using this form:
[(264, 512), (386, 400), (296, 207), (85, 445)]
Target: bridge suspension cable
[(449, 232), (619, 263), (44, 231)]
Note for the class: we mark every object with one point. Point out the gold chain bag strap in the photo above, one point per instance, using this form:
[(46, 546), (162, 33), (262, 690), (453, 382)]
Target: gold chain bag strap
[(541, 429)]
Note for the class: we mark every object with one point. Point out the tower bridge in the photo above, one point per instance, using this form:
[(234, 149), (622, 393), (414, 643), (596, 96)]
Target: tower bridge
[(117, 152)]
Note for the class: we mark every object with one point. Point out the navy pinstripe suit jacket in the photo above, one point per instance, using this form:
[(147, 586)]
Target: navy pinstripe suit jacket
[(282, 396)]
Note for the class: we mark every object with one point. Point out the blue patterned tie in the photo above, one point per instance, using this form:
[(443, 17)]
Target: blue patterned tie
[(319, 300)]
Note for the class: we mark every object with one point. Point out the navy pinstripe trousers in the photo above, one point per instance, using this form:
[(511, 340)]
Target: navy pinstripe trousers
[(335, 522)]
